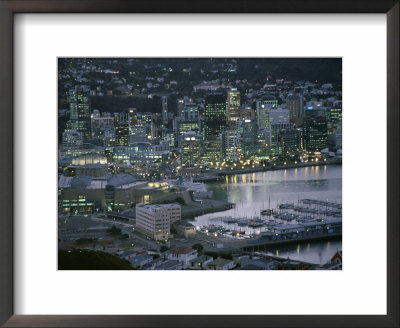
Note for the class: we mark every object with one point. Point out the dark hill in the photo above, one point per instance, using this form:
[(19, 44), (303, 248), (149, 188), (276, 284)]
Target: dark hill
[(90, 260)]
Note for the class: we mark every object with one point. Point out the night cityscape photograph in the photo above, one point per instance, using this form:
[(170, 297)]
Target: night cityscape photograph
[(199, 163)]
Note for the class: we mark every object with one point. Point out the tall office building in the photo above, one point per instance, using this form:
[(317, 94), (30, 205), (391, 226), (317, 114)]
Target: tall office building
[(212, 150), (180, 107), (138, 131), (215, 116), (147, 120), (181, 103), (190, 112), (191, 148), (182, 126), (165, 110), (72, 139), (122, 122), (294, 103), (288, 139), (300, 93), (80, 114), (263, 108), (247, 131), (230, 144), (315, 131), (276, 133), (122, 134), (98, 123), (215, 123), (233, 107), (334, 114)]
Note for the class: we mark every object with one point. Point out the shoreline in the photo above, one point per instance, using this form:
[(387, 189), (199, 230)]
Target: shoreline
[(277, 168), (268, 244)]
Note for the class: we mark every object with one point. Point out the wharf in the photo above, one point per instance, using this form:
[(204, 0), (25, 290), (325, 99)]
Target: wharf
[(257, 244), (278, 258), (277, 167), (263, 244), (208, 178), (204, 206)]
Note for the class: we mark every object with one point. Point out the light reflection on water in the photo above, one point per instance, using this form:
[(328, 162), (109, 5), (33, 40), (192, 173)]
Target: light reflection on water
[(315, 252), (256, 191)]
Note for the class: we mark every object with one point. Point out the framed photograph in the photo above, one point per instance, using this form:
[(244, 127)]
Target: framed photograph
[(164, 164)]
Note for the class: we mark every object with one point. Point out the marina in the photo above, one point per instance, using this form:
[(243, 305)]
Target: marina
[(286, 223), (278, 210)]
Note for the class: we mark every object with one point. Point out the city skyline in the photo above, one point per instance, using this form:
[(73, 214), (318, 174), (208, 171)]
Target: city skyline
[(145, 145)]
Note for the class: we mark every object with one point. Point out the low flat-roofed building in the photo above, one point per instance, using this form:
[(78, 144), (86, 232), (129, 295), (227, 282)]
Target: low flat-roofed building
[(111, 192), (185, 229), (115, 192)]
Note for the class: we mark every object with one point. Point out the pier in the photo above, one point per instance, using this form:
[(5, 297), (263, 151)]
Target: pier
[(204, 206), (278, 167)]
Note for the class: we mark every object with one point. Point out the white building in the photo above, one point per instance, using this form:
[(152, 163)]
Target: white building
[(231, 143), (191, 147), (183, 254), (155, 220)]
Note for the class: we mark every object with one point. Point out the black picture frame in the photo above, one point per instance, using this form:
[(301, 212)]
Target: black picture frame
[(10, 7)]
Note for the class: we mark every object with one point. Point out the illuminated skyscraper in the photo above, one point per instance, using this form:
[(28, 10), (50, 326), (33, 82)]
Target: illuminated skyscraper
[(263, 108), (315, 131), (80, 114), (121, 134), (180, 107), (334, 114), (182, 126), (230, 143), (138, 131), (215, 116), (215, 123), (277, 130), (191, 112), (288, 139), (181, 103), (191, 148), (233, 107)]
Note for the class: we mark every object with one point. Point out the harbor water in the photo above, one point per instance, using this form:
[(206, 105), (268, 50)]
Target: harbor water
[(254, 192)]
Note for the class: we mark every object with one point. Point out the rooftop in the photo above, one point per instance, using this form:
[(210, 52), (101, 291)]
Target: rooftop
[(168, 265), (155, 207), (219, 262), (201, 259), (182, 250), (120, 180)]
